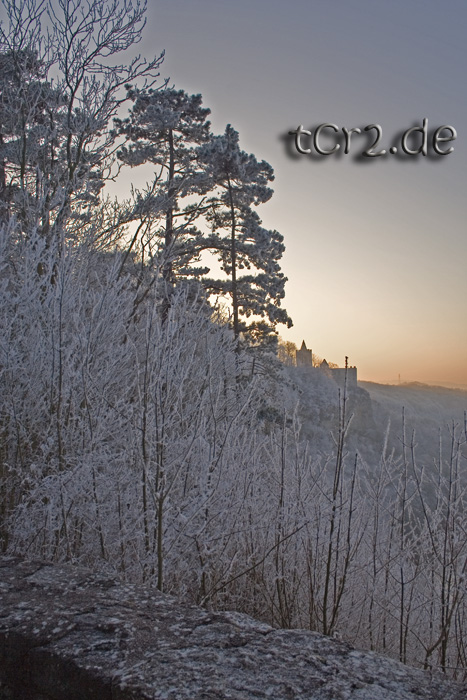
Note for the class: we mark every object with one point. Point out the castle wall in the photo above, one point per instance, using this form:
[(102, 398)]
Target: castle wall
[(338, 374)]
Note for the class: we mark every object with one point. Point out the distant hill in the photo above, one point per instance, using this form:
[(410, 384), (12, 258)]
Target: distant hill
[(436, 384), (431, 413)]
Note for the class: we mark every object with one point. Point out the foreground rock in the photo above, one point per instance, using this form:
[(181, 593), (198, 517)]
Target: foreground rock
[(69, 634)]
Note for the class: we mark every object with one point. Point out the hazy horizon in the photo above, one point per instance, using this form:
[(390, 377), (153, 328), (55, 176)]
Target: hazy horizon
[(414, 384)]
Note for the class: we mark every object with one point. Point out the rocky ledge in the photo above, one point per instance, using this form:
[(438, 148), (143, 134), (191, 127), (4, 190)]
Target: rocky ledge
[(69, 634)]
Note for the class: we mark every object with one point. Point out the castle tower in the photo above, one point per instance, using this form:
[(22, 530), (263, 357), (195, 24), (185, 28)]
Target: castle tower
[(304, 357)]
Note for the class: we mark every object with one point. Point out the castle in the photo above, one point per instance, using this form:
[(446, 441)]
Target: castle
[(304, 358)]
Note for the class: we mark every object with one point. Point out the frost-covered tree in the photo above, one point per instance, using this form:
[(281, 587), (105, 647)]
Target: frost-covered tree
[(238, 238), (60, 91), (31, 118), (165, 128)]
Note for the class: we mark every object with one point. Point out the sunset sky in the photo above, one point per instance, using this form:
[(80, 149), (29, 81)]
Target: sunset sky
[(376, 248)]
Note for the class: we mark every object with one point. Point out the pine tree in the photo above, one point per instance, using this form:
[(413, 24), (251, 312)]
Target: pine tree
[(165, 128), (239, 239)]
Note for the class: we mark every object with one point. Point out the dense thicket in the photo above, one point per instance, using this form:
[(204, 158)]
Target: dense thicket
[(138, 434)]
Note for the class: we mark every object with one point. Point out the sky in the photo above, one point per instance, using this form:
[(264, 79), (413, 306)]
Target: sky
[(376, 248)]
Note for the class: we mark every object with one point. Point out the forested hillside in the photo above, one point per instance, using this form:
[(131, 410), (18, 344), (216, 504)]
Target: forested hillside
[(147, 426)]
